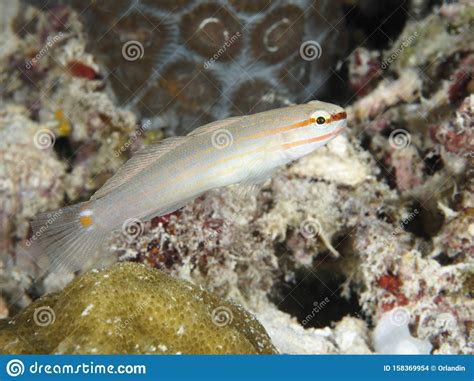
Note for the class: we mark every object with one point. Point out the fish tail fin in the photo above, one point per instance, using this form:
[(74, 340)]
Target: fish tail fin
[(68, 238)]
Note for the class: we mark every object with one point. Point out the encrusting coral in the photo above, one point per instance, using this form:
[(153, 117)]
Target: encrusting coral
[(129, 308)]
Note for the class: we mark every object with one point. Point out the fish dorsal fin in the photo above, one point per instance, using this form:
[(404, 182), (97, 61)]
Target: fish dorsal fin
[(210, 127), (137, 163), (148, 155)]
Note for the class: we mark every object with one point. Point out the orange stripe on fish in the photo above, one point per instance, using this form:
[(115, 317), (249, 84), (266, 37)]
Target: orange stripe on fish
[(165, 176), (277, 130), (311, 140)]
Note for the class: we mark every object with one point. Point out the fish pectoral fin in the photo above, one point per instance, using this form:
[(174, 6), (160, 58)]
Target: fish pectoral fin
[(257, 171), (214, 126), (139, 161), (245, 190), (252, 184)]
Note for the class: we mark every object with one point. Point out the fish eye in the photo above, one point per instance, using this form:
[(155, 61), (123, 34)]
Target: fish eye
[(320, 120), (320, 117)]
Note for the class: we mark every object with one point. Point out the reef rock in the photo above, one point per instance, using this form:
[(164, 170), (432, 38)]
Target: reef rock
[(31, 175), (350, 335)]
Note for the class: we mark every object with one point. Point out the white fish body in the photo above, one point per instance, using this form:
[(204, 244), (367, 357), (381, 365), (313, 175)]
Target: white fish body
[(165, 176)]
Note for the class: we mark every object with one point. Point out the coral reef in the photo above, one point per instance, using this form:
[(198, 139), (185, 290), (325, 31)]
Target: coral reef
[(375, 201), (61, 134), (189, 63), (417, 124), (32, 176), (129, 308)]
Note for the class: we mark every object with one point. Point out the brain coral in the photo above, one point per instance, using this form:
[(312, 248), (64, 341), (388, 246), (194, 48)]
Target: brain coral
[(129, 308)]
